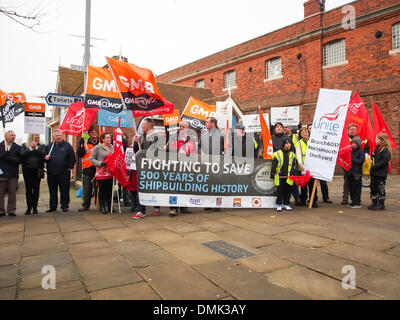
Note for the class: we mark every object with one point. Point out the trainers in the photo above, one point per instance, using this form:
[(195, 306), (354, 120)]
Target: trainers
[(344, 202), (354, 206), (173, 212), (157, 212), (139, 215), (288, 208), (279, 207)]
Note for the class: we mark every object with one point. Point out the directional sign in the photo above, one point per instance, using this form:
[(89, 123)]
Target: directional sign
[(62, 100)]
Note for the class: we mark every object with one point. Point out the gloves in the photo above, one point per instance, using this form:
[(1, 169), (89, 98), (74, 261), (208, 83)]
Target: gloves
[(103, 164)]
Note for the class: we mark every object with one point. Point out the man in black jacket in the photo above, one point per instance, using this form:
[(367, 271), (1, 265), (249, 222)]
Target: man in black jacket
[(88, 169), (9, 162), (60, 160)]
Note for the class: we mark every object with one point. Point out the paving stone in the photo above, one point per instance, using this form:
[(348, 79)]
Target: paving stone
[(82, 236), (89, 217), (254, 225), (310, 283), (243, 283), (382, 284), (43, 243), (251, 238), (202, 236), (144, 225), (11, 237), (7, 226), (191, 253), (265, 263), (366, 296), (101, 272), (136, 291), (395, 251), (143, 253), (35, 220), (349, 237), (91, 249), (183, 227), (216, 226), (8, 276), (304, 239), (121, 234), (163, 236), (10, 253), (8, 293), (179, 282), (38, 229), (314, 259), (369, 257), (106, 224), (68, 224), (31, 269), (71, 290)]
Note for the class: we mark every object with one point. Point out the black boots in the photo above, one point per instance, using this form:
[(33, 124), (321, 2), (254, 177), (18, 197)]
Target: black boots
[(103, 206), (377, 205), (28, 211), (373, 205)]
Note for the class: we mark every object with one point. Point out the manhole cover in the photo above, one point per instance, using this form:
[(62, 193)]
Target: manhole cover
[(228, 250)]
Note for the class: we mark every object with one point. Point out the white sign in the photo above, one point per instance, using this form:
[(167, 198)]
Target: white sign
[(326, 133), (35, 125), (130, 159), (251, 122), (223, 113), (289, 116)]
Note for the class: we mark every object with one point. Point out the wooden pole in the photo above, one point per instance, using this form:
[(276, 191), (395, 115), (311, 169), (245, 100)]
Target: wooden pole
[(313, 193)]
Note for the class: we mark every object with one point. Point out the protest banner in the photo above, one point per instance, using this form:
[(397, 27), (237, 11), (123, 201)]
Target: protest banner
[(223, 113), (171, 121), (138, 89), (35, 120), (251, 122), (289, 116), (130, 159), (171, 179), (326, 133), (78, 119), (196, 113), (110, 119), (11, 105)]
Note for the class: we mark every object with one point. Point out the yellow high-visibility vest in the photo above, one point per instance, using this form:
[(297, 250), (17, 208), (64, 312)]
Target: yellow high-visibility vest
[(279, 156)]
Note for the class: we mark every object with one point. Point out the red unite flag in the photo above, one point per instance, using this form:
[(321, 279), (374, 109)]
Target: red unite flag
[(116, 164), (76, 115), (344, 154), (380, 126), (118, 137)]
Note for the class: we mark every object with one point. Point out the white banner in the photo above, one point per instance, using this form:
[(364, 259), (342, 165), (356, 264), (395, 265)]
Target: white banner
[(223, 113), (289, 116), (35, 125), (130, 160), (326, 133), (251, 122)]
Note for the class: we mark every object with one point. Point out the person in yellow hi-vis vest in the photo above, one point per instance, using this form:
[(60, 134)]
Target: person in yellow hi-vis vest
[(282, 167)]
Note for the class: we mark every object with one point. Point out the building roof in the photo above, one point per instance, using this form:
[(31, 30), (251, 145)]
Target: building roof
[(70, 81), (179, 95)]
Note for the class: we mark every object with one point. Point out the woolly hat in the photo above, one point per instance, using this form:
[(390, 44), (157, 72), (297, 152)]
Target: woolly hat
[(357, 140)]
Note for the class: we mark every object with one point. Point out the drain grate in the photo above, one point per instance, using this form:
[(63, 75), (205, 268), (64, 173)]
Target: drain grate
[(228, 250)]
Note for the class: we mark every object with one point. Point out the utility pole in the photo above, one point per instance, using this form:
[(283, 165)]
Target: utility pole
[(86, 57)]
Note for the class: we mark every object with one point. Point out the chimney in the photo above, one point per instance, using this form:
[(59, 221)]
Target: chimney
[(312, 7)]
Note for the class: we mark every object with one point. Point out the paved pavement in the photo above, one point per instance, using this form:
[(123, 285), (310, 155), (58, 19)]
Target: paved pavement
[(298, 255)]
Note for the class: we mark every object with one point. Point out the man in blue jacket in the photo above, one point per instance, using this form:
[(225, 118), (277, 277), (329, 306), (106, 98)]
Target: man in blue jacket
[(60, 160), (9, 163)]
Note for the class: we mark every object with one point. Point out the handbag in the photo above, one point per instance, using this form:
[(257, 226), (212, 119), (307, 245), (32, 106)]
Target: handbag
[(40, 173)]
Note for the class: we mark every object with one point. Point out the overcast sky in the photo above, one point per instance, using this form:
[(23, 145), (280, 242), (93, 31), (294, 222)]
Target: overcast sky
[(157, 34)]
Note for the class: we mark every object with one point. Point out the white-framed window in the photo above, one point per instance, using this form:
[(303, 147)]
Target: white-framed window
[(200, 83), (396, 36), (335, 52), (230, 79), (274, 68)]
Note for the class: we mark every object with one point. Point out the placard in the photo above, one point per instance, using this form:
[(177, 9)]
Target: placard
[(289, 116)]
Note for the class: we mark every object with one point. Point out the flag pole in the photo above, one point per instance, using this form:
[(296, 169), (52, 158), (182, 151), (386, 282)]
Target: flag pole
[(313, 193), (4, 127), (112, 196), (122, 99)]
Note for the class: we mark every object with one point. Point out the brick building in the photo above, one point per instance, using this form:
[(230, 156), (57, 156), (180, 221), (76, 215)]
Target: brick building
[(287, 67)]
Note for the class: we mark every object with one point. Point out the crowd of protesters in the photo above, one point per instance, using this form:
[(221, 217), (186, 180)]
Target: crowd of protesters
[(289, 151)]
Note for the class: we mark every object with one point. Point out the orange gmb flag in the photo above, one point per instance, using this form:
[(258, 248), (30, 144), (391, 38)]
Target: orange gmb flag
[(11, 105), (101, 91), (171, 119), (138, 89), (267, 141), (196, 113)]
